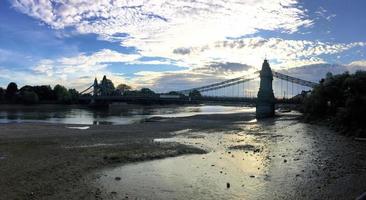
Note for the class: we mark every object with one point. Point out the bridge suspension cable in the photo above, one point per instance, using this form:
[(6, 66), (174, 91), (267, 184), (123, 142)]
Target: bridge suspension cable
[(294, 80), (83, 92)]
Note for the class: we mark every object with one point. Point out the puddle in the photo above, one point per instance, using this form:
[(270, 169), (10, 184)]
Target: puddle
[(79, 127), (190, 176), (94, 145), (241, 164)]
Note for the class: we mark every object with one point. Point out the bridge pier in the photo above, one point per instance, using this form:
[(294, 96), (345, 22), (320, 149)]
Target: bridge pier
[(265, 106)]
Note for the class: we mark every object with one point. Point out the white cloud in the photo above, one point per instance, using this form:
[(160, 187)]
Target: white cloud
[(71, 70), (187, 33), (157, 27), (360, 63), (251, 51)]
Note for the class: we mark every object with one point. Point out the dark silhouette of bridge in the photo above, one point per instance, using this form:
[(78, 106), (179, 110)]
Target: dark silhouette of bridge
[(240, 89)]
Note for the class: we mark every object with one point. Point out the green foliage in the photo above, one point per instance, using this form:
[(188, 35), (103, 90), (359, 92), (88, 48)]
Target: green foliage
[(29, 97), (38, 94), (11, 92), (44, 92), (123, 87), (2, 95), (195, 94), (341, 97), (176, 93), (62, 95), (74, 96), (147, 91)]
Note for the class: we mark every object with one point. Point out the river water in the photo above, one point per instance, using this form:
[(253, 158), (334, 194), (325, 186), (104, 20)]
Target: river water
[(255, 160), (115, 115)]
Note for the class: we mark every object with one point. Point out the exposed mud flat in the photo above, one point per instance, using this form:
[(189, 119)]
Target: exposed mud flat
[(272, 159), (204, 156)]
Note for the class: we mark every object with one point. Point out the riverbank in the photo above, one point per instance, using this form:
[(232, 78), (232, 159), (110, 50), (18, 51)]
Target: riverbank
[(50, 161), (53, 161)]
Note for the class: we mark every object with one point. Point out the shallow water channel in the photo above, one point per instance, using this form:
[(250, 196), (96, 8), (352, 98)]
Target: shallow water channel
[(114, 115), (254, 160)]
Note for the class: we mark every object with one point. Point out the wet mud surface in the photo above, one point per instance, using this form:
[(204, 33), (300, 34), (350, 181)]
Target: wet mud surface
[(279, 158), (227, 156)]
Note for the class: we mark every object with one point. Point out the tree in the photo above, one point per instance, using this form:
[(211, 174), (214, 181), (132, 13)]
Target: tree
[(147, 91), (29, 97), (195, 94), (26, 88), (62, 95), (2, 94), (11, 92), (122, 88), (341, 98), (44, 92), (74, 95)]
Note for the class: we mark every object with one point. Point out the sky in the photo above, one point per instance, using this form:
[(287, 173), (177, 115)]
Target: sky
[(176, 44)]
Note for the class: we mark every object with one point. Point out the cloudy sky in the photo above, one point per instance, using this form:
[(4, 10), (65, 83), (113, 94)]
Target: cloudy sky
[(176, 44)]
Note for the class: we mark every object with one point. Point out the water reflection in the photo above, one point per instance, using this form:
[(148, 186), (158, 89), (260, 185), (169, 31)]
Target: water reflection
[(114, 115), (262, 160), (195, 176)]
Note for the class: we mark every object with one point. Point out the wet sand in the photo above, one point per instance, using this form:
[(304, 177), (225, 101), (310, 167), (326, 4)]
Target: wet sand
[(48, 161)]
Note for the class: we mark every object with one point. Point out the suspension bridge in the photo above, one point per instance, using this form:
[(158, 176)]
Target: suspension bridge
[(264, 87)]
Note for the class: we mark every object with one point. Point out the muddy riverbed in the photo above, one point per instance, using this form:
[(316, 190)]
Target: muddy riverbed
[(218, 156), (279, 158)]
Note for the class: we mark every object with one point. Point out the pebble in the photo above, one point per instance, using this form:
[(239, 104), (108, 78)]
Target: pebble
[(117, 178), (227, 185)]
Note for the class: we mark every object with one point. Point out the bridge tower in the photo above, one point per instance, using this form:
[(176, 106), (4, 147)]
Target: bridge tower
[(265, 99), (95, 87)]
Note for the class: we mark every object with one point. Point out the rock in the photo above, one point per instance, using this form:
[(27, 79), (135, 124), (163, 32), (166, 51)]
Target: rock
[(285, 161), (252, 176), (227, 185), (117, 178)]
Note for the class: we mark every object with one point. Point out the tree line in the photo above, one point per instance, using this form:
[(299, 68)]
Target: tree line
[(38, 94), (342, 100), (61, 95)]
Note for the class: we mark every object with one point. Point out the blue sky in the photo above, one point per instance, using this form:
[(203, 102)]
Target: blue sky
[(175, 44)]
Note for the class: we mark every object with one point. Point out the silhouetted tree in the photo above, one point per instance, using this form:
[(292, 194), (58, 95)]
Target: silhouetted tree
[(176, 93), (195, 94), (62, 95), (2, 95), (45, 93), (342, 98), (74, 96), (147, 91), (26, 88), (11, 92), (29, 97), (122, 88)]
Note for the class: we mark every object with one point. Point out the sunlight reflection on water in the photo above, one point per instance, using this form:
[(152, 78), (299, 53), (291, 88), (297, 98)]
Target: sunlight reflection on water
[(250, 159), (113, 116)]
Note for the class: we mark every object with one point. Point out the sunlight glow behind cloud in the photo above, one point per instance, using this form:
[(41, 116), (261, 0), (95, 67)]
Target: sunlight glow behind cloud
[(195, 34)]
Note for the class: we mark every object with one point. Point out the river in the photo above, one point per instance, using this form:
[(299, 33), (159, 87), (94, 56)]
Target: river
[(116, 115), (253, 160)]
